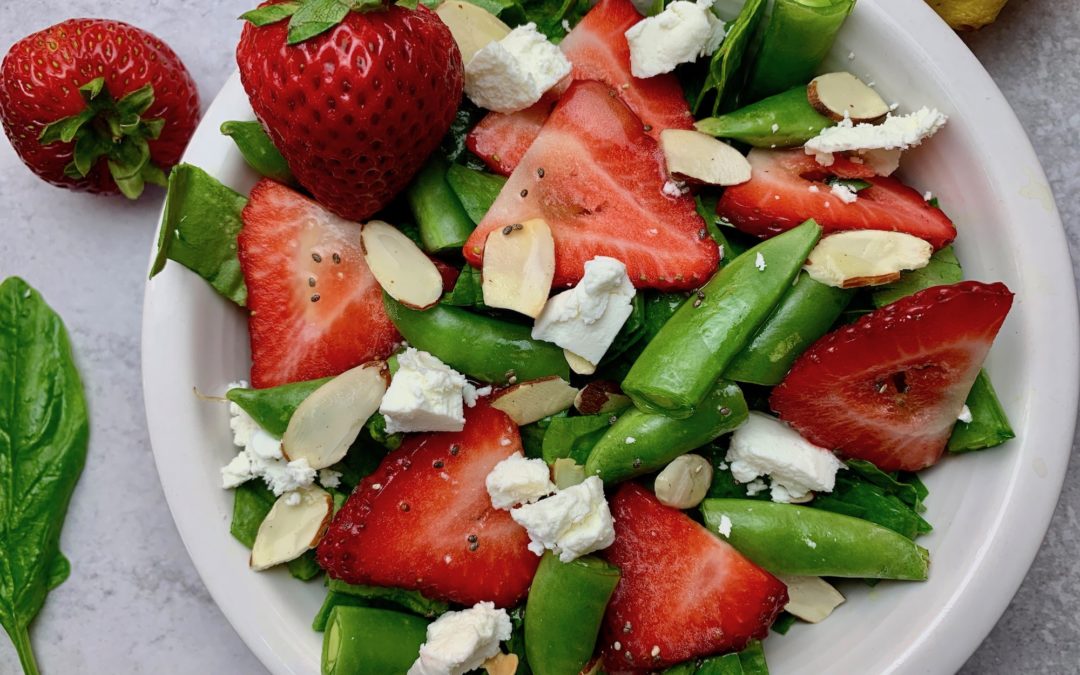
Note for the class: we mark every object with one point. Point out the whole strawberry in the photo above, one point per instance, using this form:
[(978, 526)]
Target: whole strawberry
[(355, 103), (97, 105)]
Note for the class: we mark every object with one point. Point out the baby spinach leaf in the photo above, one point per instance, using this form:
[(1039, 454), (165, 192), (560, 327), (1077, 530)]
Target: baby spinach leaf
[(574, 437), (251, 502), (892, 500), (726, 64), (468, 290), (509, 11), (550, 15), (752, 659), (379, 595), (273, 407), (943, 269), (989, 426), (44, 432), (476, 190), (304, 568), (199, 228)]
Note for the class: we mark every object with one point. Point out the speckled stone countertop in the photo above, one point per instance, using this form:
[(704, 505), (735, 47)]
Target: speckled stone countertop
[(135, 604)]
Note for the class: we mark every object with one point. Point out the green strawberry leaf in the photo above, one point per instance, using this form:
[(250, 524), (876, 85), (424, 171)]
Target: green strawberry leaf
[(407, 4), (315, 17), (64, 130), (264, 16), (91, 89)]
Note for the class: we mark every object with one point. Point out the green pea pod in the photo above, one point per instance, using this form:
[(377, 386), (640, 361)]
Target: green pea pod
[(679, 367), (476, 190), (805, 313), (563, 614), (332, 600), (443, 222), (258, 150), (783, 120), (989, 425), (797, 36), (728, 664), (370, 641), (481, 347), (641, 442), (789, 539)]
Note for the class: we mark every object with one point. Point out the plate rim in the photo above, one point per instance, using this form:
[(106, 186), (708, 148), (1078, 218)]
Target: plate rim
[(1001, 564)]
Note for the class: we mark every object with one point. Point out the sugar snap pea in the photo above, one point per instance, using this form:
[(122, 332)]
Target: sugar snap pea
[(443, 222), (805, 313), (789, 539), (641, 442), (797, 36), (782, 120), (563, 614), (258, 150), (370, 641), (481, 347), (679, 367)]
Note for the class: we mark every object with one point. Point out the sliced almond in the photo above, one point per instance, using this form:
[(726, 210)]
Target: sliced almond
[(327, 422), (291, 529), (401, 268), (840, 95), (699, 158), (519, 264), (472, 27), (883, 161), (567, 473), (684, 482), (866, 257), (530, 401), (811, 599), (601, 396), (579, 364), (501, 664)]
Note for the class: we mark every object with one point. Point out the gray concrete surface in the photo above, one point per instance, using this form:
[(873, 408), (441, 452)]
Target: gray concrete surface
[(135, 604)]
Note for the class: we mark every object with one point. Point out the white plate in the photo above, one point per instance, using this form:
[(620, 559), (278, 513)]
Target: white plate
[(990, 510)]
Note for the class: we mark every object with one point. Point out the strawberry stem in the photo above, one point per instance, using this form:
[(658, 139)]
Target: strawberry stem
[(114, 131)]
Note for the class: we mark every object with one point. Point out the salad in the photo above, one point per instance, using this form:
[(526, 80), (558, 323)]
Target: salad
[(584, 338)]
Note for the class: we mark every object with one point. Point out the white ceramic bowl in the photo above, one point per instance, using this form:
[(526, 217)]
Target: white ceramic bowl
[(990, 510)]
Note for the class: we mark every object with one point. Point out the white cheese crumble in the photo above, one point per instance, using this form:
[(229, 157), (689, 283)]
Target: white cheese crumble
[(261, 456), (674, 188), (765, 446), (517, 480), (425, 394), (329, 478), (681, 33), (513, 73), (965, 415), (458, 642), (725, 526), (896, 132), (759, 262), (585, 319), (845, 193), (572, 523)]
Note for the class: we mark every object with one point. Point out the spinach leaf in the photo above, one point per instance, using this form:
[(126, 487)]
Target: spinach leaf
[(726, 64), (199, 228), (476, 190), (273, 407), (251, 502), (304, 568), (573, 437), (943, 269), (466, 117), (752, 659), (532, 435), (516, 643), (549, 15), (380, 595), (44, 432), (509, 11), (468, 291), (892, 500), (989, 426)]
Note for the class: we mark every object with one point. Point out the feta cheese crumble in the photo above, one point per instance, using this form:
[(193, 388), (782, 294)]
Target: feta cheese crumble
[(513, 73), (845, 193), (679, 34), (585, 319), (965, 415), (329, 478), (458, 642), (572, 522), (759, 262), (725, 526), (896, 132), (674, 188), (261, 456), (425, 394), (765, 446), (517, 480)]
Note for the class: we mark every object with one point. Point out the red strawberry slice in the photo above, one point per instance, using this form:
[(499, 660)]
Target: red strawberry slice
[(596, 178), (684, 593), (598, 50), (424, 520), (787, 187), (316, 309), (888, 388)]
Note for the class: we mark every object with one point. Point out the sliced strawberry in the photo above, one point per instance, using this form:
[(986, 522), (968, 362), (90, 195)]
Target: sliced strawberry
[(888, 388), (787, 187), (596, 178), (316, 309), (684, 593), (424, 520), (448, 272), (598, 50)]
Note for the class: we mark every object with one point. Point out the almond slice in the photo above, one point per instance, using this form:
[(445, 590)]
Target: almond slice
[(684, 482), (567, 473), (579, 364), (811, 599), (866, 257), (601, 396), (291, 529), (401, 268), (327, 422), (884, 161), (472, 27), (530, 401), (501, 664), (699, 158), (519, 264), (840, 95)]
